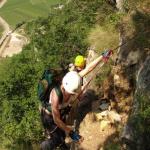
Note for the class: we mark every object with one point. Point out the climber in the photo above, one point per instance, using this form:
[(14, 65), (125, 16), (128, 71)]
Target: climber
[(79, 64), (54, 120), (103, 57)]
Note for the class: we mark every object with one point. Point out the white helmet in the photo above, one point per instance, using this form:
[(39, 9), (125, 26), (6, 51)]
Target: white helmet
[(72, 82)]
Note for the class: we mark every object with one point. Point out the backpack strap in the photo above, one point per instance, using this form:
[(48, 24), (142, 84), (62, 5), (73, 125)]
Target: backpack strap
[(59, 93)]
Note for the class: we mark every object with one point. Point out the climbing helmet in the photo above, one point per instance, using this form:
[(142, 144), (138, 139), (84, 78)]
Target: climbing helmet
[(72, 82)]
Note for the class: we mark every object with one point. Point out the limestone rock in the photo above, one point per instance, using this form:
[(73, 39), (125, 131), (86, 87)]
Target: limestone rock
[(104, 124), (114, 116)]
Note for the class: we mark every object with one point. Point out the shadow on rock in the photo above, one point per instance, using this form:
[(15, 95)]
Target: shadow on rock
[(85, 105)]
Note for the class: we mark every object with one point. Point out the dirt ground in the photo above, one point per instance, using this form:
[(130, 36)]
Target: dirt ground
[(14, 45), (10, 43), (95, 136)]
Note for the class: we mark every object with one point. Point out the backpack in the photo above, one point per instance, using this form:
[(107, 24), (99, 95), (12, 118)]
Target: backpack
[(50, 79)]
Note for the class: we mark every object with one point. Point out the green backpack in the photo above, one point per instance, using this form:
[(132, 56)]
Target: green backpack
[(50, 79)]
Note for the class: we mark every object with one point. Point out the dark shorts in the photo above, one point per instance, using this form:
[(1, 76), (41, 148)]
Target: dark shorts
[(57, 140), (57, 135)]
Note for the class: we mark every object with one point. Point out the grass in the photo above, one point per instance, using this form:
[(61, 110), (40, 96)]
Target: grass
[(113, 146), (16, 11), (103, 38), (1, 30)]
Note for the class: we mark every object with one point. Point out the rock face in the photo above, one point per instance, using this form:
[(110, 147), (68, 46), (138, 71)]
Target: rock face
[(119, 5), (133, 76), (132, 135), (143, 77)]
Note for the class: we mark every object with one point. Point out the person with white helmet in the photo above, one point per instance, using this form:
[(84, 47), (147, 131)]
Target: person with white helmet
[(71, 85), (53, 120)]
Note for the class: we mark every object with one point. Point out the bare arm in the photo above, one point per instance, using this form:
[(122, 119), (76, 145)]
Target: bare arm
[(90, 67), (56, 113)]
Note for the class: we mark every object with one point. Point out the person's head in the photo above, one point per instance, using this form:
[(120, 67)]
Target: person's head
[(80, 62), (72, 82)]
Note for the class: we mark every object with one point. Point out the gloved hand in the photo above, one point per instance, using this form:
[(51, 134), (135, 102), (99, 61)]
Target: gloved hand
[(106, 54), (75, 137)]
